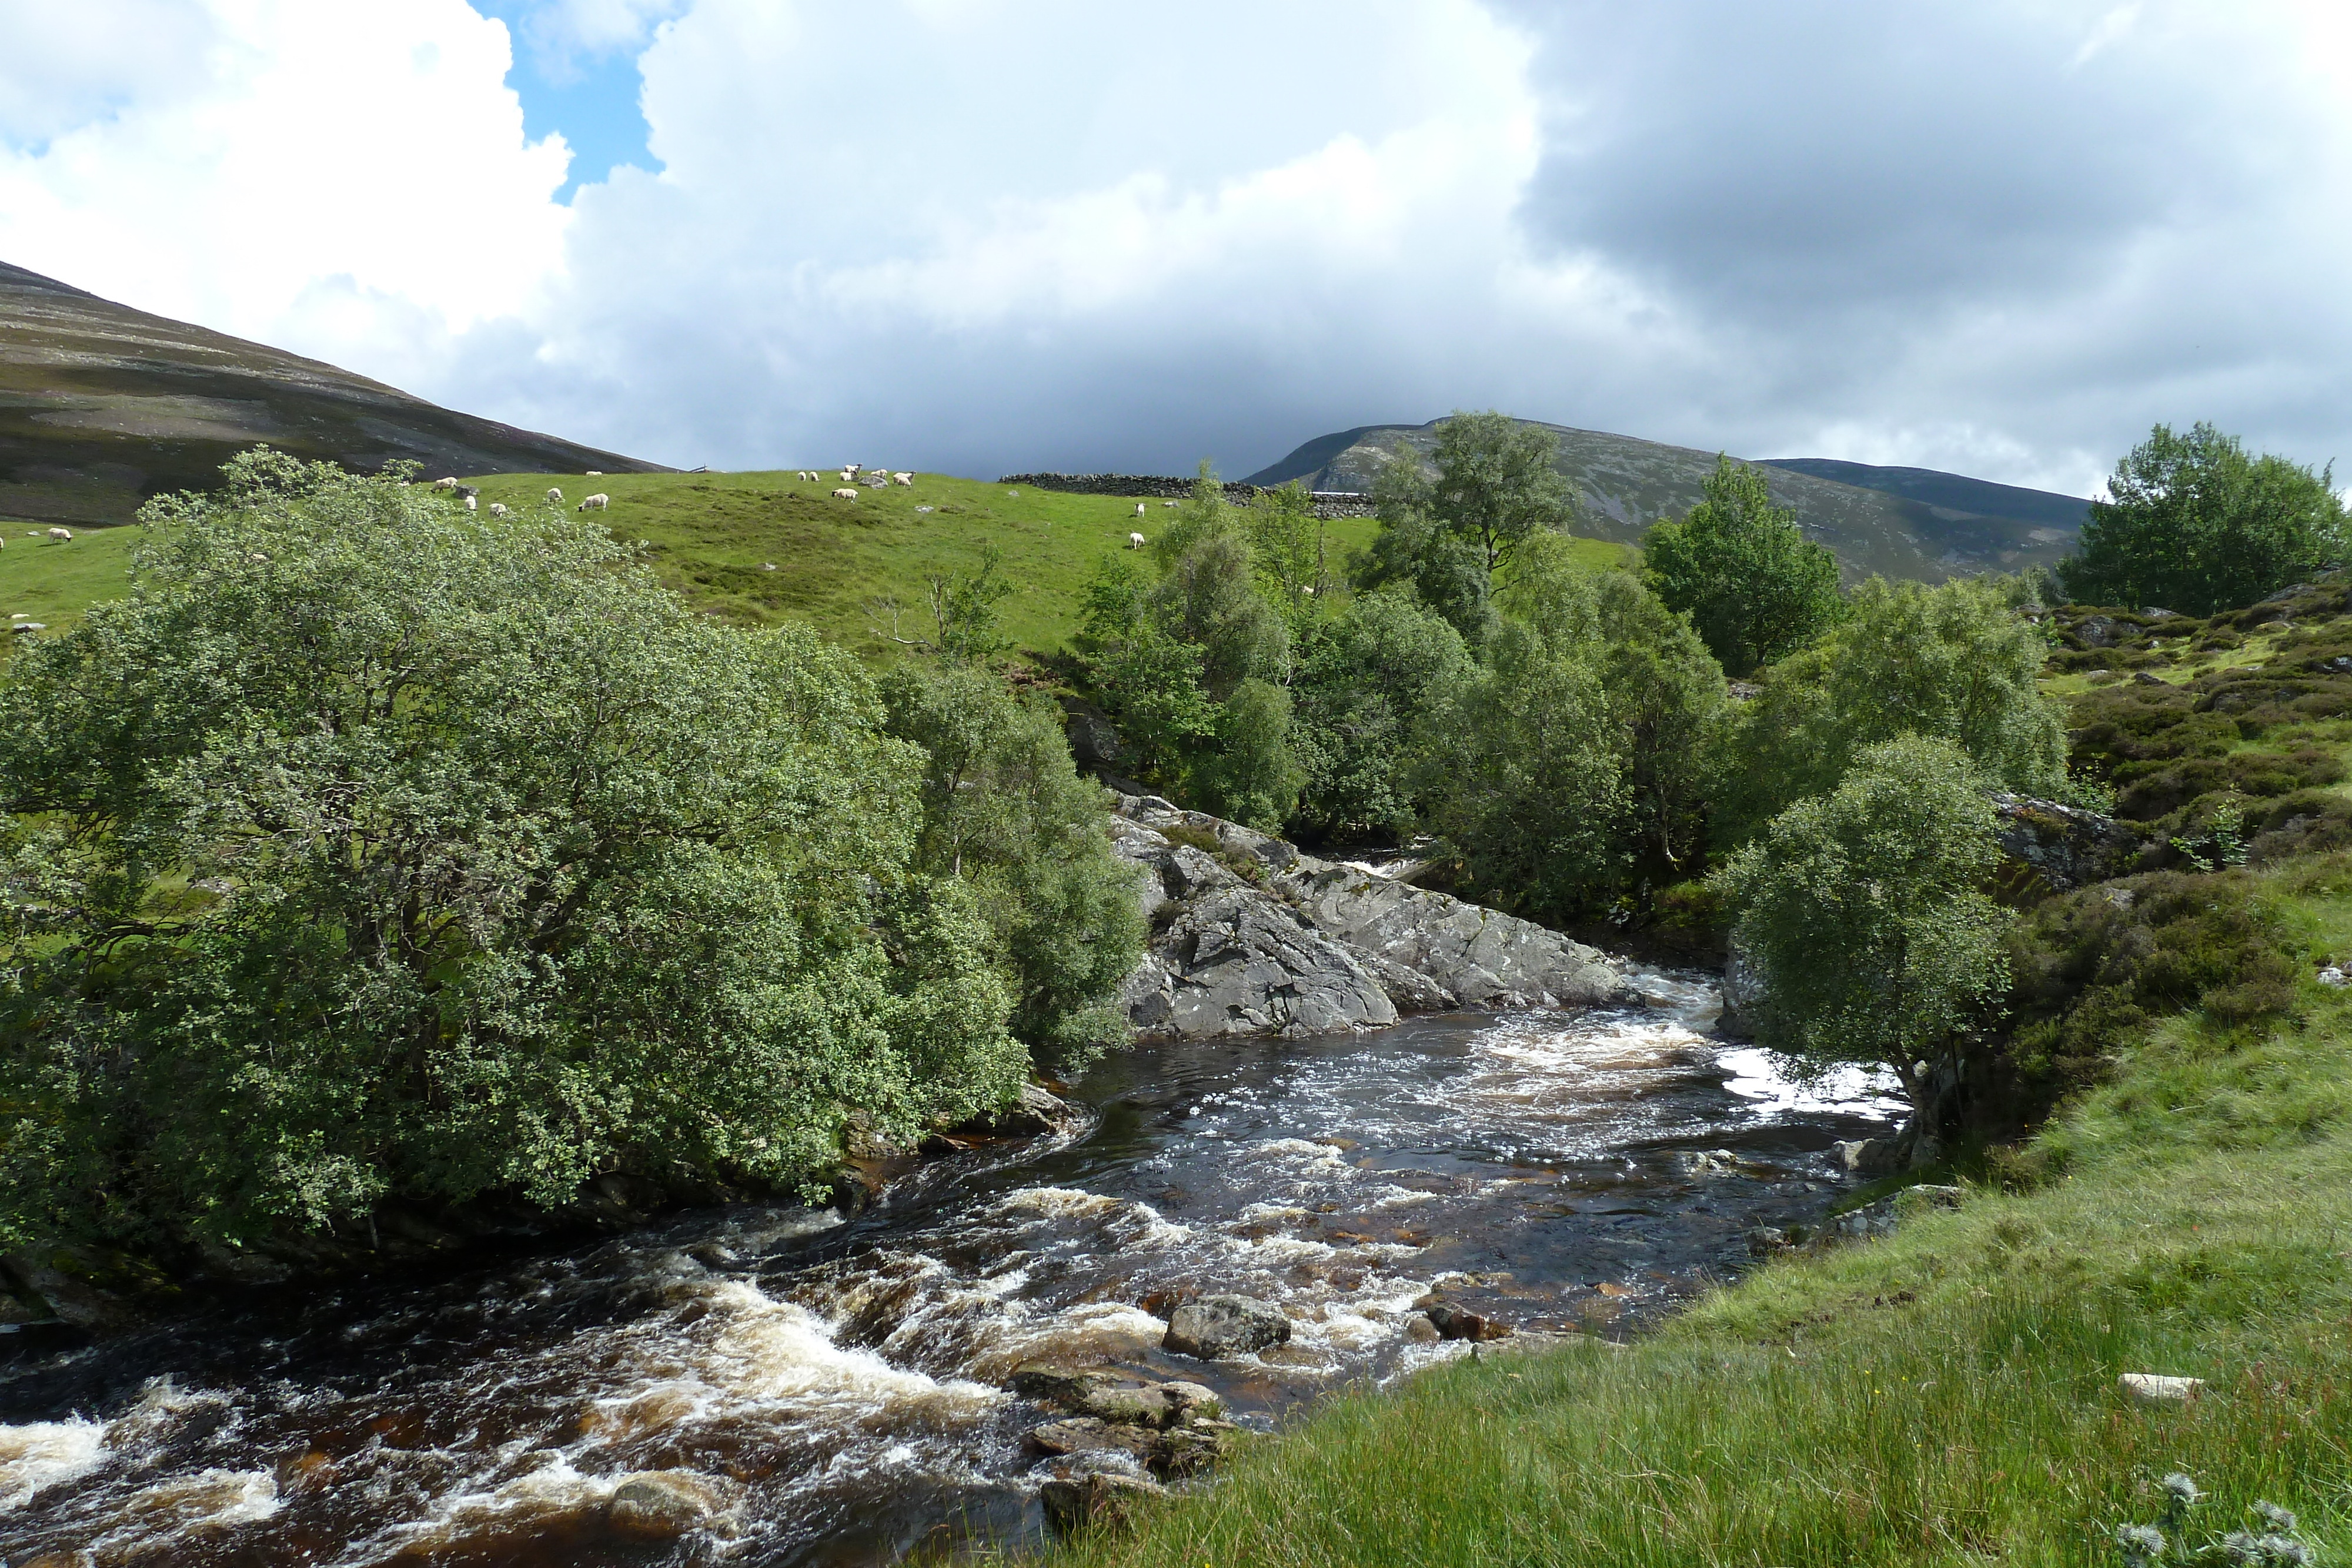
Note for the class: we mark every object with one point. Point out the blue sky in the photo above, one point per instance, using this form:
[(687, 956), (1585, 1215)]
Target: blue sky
[(988, 236), (585, 91)]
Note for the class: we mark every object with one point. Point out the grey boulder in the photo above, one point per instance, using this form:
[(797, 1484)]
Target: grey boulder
[(1213, 1327)]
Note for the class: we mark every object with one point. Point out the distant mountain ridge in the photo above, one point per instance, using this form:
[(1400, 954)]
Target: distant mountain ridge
[(102, 406), (1902, 522)]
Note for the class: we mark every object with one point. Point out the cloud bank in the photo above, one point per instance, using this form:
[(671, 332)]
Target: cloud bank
[(974, 235)]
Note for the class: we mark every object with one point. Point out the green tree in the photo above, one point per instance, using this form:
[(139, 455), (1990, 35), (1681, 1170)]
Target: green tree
[(1370, 681), (2192, 523), (1152, 683), (1953, 662), (1862, 910), (1526, 780), (373, 849), (1251, 777), (1210, 598), (1497, 485), (1753, 585), (1285, 540), (1006, 813), (1201, 514), (1666, 693)]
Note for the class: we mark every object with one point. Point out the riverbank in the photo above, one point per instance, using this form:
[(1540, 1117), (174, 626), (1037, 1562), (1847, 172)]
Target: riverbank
[(1948, 1393)]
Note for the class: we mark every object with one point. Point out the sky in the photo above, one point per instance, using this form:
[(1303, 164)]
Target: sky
[(979, 236)]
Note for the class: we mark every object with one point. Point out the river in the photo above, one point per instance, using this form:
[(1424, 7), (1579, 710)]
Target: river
[(843, 1376)]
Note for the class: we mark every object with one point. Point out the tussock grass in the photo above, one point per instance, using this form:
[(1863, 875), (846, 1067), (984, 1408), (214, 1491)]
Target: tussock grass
[(1946, 1395)]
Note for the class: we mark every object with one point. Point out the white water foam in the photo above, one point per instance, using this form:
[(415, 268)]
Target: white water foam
[(39, 1454)]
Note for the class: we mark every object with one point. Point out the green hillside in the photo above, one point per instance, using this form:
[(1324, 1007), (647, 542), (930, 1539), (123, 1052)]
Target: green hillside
[(713, 536), (1901, 523), (102, 406)]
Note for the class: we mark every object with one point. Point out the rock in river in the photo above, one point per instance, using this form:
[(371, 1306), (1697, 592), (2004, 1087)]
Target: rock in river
[(661, 1505), (1250, 937), (1217, 1326)]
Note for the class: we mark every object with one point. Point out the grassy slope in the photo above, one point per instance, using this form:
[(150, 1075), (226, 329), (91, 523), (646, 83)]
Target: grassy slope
[(54, 583), (1949, 1395), (712, 534)]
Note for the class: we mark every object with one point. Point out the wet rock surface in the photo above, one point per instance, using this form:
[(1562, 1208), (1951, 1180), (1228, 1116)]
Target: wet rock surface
[(1219, 1326), (1251, 936)]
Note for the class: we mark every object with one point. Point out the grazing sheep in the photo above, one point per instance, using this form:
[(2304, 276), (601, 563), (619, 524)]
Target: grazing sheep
[(767, 566), (472, 505), (905, 479), (845, 494), (61, 536), (447, 484), (595, 473), (497, 510), (554, 496), (595, 503), (849, 468), (29, 626), (1135, 541)]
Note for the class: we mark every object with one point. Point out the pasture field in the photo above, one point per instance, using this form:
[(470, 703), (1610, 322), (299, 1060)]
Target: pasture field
[(713, 537), (56, 583)]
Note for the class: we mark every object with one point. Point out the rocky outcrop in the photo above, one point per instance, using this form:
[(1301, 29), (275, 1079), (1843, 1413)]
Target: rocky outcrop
[(2062, 847), (1250, 937)]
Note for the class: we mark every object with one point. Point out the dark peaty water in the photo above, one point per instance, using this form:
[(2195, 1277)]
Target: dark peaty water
[(841, 1380)]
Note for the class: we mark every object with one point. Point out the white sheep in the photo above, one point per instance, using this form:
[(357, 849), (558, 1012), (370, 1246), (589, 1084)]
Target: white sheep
[(1135, 541), (1138, 508), (472, 505), (905, 479), (1167, 503), (595, 503), (61, 536), (845, 494), (497, 510), (554, 496), (447, 484), (595, 473)]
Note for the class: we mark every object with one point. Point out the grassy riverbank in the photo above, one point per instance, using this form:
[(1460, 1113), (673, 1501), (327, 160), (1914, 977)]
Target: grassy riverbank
[(1946, 1395)]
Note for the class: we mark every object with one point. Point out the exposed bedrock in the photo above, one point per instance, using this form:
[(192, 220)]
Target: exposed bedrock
[(1250, 937)]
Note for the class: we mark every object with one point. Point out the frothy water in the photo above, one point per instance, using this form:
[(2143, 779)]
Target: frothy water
[(840, 1383)]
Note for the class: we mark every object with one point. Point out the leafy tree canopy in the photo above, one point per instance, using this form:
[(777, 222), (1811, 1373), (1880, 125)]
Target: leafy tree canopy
[(1006, 813), (1953, 662), (1753, 585), (2194, 524), (374, 849), (1863, 910), (1370, 682)]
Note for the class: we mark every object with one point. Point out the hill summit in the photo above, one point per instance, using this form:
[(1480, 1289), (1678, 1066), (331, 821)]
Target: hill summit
[(1902, 522)]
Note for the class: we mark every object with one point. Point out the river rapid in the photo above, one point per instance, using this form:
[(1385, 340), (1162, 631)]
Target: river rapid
[(842, 1378)]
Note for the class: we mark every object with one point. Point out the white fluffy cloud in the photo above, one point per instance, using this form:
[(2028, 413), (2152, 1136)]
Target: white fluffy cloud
[(980, 235), (331, 177)]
